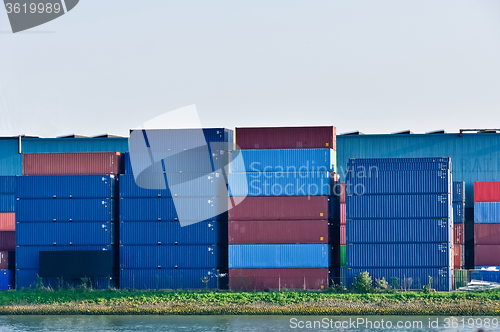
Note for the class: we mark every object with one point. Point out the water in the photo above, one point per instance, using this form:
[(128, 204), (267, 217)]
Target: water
[(242, 323)]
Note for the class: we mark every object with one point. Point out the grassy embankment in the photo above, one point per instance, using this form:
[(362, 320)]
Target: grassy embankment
[(259, 303)]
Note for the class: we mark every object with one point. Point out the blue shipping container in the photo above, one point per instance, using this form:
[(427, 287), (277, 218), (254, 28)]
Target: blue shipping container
[(283, 160), (29, 279), (72, 145), (487, 213), (279, 256), (27, 256), (11, 161), (168, 279), (64, 209), (398, 230), (66, 186), (65, 233), (171, 232), (484, 275), (459, 191), (172, 257), (407, 278), (398, 206), (7, 202), (280, 184), (393, 164), (399, 255), (6, 279), (458, 212), (7, 184)]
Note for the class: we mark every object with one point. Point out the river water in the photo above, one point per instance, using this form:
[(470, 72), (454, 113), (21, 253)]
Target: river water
[(245, 323)]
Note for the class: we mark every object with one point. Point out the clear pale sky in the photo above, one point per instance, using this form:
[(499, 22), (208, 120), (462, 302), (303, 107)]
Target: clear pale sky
[(375, 66)]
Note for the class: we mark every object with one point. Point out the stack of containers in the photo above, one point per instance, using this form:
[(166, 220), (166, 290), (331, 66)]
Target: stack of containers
[(400, 222), (458, 225), (279, 233), (64, 202), (7, 231), (159, 248), (341, 260)]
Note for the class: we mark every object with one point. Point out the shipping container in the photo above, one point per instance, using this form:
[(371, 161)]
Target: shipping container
[(398, 164), (342, 213), (461, 278), (7, 184), (278, 231), (72, 145), (167, 209), (172, 257), (485, 275), (487, 212), (459, 234), (342, 193), (398, 230), (487, 234), (458, 212), (284, 160), (487, 255), (278, 279), (6, 279), (398, 206), (343, 235), (72, 163), (280, 184), (65, 209), (7, 241), (7, 203), (286, 138), (29, 279), (459, 192), (407, 278), (7, 260), (65, 233), (486, 191), (458, 256), (168, 279), (27, 256), (343, 256), (11, 158), (7, 222), (173, 185), (399, 255), (280, 208), (270, 256), (171, 232), (66, 186)]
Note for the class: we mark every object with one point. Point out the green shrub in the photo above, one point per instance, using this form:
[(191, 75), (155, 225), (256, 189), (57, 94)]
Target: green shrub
[(363, 283)]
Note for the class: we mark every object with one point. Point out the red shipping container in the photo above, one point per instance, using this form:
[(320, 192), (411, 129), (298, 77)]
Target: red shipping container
[(7, 222), (6, 260), (458, 234), (279, 208), (487, 255), (487, 191), (487, 234), (286, 138), (278, 231), (264, 279), (458, 260), (342, 214), (72, 163), (7, 241), (342, 192), (342, 235)]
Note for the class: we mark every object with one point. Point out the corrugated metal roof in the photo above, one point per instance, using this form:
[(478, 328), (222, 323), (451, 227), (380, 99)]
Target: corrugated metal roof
[(68, 145)]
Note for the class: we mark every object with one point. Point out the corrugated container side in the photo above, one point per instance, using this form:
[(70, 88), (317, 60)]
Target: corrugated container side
[(399, 255), (278, 231), (485, 275), (72, 163), (398, 206), (407, 278), (280, 208), (343, 256), (458, 256), (398, 230), (65, 209), (27, 256), (486, 255), (343, 235), (171, 232), (458, 234), (286, 138), (7, 241), (6, 279), (171, 257), (7, 203), (460, 278), (342, 192), (72, 145), (459, 191), (11, 161), (66, 186), (7, 184), (265, 279), (28, 278), (487, 212), (487, 234), (168, 279), (342, 213), (394, 164), (262, 256), (486, 191), (6, 257), (458, 212), (7, 222)]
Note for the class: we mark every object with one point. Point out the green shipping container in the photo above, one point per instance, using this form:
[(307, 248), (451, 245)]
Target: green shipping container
[(342, 256), (461, 278)]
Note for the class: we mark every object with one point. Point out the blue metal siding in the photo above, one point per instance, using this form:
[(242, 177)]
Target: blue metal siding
[(492, 276), (284, 160), (7, 203), (29, 279), (66, 186), (7, 184), (11, 161), (407, 278), (398, 230), (271, 256), (459, 212), (397, 206), (170, 257), (27, 256), (280, 184), (70, 145), (67, 233), (398, 255), (487, 213), (171, 232), (475, 157), (459, 191), (64, 209), (168, 279), (400, 164), (6, 279)]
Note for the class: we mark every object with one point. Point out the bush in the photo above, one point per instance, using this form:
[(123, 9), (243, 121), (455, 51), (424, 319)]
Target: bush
[(363, 283), (382, 284)]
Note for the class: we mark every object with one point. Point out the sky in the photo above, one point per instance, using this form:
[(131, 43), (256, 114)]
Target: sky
[(373, 66)]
